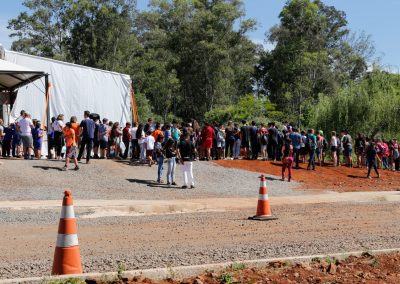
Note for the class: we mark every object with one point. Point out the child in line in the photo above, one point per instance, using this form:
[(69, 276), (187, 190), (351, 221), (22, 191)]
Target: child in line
[(37, 134), (287, 160), (149, 146), (7, 140), (69, 135)]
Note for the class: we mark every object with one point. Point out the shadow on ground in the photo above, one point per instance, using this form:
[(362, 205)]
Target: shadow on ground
[(46, 168)]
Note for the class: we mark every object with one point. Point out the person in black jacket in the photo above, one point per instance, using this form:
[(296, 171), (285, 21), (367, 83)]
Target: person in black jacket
[(371, 159), (185, 154)]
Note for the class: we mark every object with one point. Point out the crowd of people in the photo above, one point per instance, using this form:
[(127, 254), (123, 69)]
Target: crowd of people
[(155, 143)]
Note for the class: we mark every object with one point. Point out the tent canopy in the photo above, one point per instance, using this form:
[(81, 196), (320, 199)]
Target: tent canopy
[(13, 76)]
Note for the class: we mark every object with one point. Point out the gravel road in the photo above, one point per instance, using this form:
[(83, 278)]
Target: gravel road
[(42, 179), (27, 242)]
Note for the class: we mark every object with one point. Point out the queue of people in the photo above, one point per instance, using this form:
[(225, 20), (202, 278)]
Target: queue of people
[(156, 143)]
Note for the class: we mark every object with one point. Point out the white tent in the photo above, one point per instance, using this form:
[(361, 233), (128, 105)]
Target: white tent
[(74, 89)]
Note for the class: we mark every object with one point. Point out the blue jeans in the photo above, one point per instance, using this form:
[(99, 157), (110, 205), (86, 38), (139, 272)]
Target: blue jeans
[(236, 148), (311, 162), (160, 163), (171, 170)]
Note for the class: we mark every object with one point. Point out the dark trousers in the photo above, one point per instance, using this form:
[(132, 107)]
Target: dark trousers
[(126, 143), (254, 149), (88, 143), (229, 147), (296, 154), (58, 142), (372, 164), (6, 148), (271, 148), (311, 161), (50, 145), (135, 149)]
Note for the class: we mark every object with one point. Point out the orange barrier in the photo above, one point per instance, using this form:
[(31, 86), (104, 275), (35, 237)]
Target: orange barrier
[(263, 206), (67, 259)]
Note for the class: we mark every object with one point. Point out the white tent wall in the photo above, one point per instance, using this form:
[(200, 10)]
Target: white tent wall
[(74, 89)]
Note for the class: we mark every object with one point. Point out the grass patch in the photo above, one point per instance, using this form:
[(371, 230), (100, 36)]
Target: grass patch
[(238, 266), (226, 278)]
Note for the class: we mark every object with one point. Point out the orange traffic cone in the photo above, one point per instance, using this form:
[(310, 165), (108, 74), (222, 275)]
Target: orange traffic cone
[(67, 259), (263, 208)]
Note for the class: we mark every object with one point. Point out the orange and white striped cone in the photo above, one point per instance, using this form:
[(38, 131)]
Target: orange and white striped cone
[(263, 207), (67, 258)]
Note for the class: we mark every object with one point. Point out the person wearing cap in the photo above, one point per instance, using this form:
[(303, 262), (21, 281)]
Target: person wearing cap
[(69, 135)]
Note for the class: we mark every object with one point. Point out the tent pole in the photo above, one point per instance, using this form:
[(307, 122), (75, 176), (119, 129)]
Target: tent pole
[(135, 115), (47, 86), (47, 110)]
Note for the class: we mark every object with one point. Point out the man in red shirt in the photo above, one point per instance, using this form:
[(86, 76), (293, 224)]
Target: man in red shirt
[(126, 138)]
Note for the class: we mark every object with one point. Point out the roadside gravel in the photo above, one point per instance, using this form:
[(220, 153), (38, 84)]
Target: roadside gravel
[(189, 239), (41, 180)]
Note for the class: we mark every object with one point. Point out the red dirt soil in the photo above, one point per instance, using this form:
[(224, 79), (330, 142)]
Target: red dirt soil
[(363, 269), (340, 179)]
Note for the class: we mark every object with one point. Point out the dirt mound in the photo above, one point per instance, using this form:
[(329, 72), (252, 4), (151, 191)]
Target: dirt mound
[(341, 179), (363, 269)]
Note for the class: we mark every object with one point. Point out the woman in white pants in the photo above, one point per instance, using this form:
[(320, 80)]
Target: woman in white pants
[(185, 154)]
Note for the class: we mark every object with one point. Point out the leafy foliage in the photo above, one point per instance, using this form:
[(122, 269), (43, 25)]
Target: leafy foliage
[(312, 56), (248, 107), (370, 106)]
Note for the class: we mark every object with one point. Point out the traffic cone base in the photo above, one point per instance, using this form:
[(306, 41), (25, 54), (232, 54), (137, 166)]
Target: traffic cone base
[(67, 261), (263, 218)]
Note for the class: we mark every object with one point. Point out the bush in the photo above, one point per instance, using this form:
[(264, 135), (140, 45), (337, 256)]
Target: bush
[(248, 108), (369, 106)]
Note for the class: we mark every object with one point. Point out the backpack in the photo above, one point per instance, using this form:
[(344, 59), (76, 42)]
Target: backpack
[(325, 144), (220, 136), (310, 143), (175, 134)]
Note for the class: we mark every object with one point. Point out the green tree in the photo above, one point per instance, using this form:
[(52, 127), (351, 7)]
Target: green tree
[(212, 61), (42, 30), (312, 56)]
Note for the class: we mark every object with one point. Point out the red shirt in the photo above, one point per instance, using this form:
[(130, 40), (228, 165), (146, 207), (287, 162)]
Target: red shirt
[(207, 133), (126, 136)]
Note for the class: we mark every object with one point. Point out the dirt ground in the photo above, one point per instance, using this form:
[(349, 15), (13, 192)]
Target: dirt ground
[(340, 179), (364, 269)]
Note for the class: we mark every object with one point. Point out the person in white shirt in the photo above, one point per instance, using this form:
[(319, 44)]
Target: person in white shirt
[(134, 142), (334, 145), (140, 136), (24, 126), (149, 146)]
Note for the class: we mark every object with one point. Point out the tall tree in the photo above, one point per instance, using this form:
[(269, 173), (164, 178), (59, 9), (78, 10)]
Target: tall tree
[(41, 31), (212, 60), (312, 56)]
